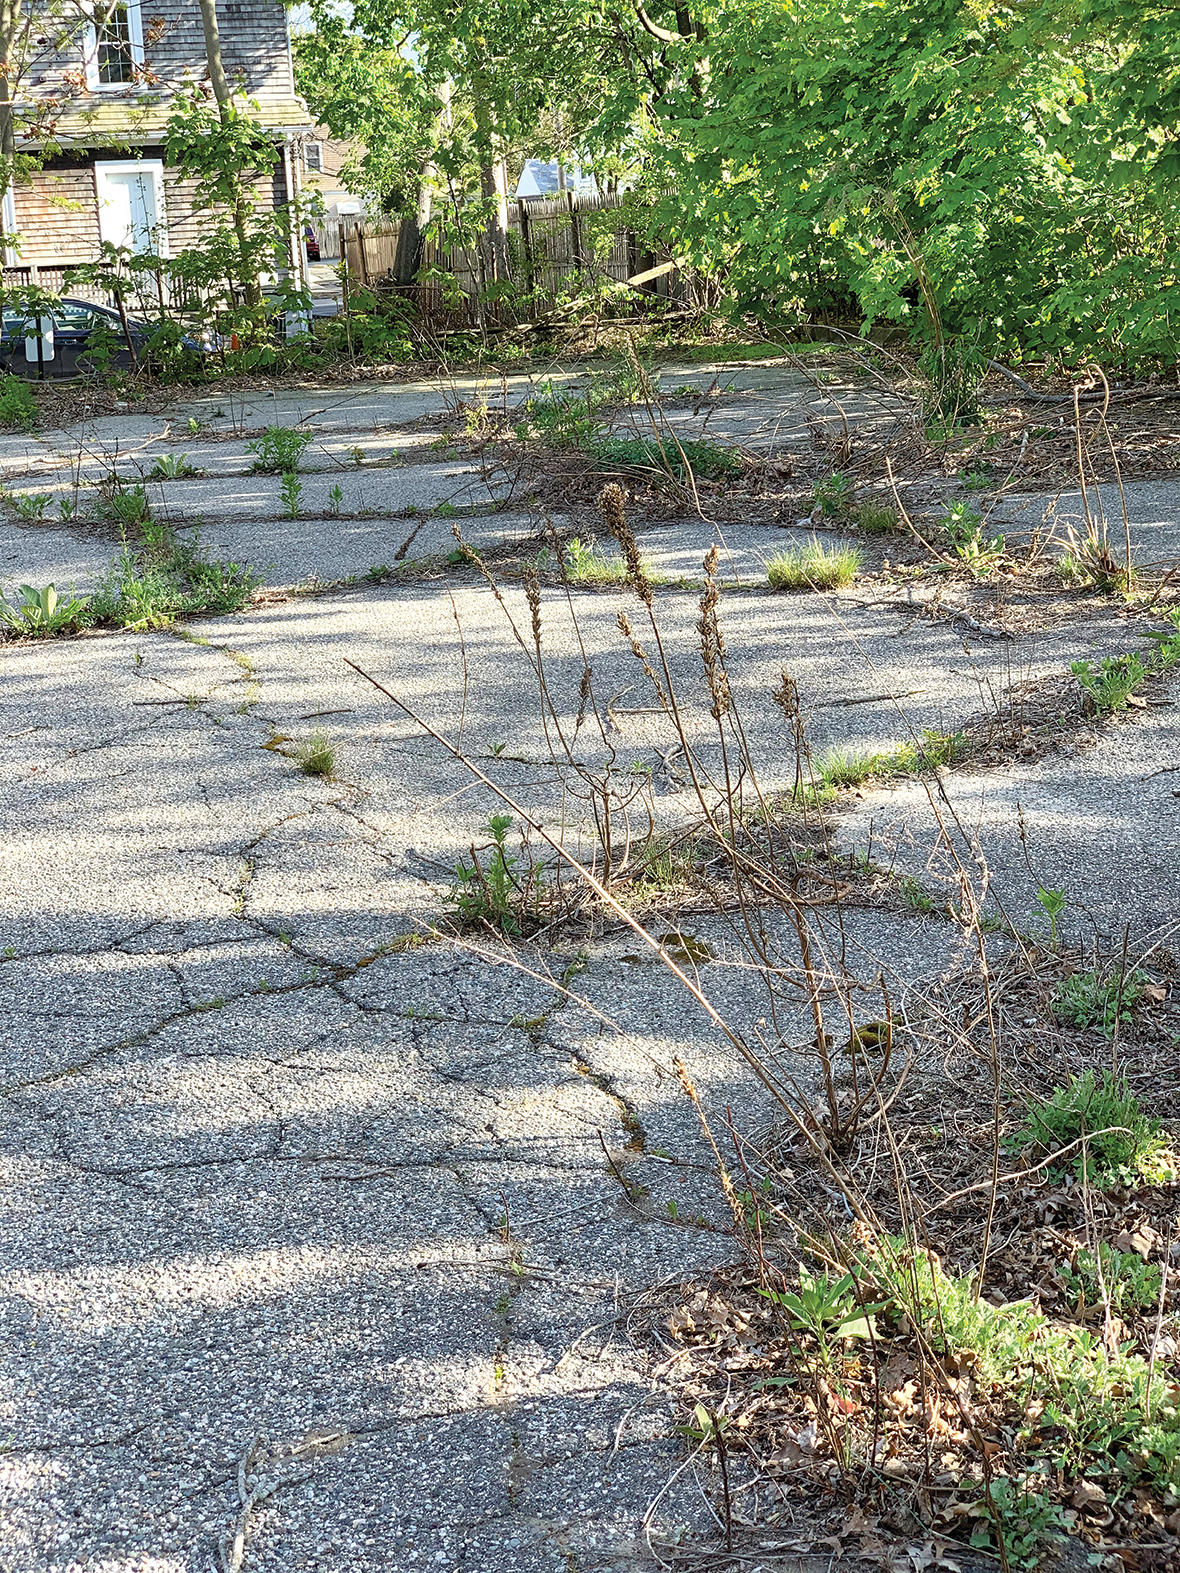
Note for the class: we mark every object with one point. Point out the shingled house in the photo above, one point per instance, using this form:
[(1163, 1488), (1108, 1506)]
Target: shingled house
[(112, 84)]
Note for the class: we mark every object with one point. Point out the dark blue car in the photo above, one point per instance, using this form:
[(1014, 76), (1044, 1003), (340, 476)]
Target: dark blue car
[(78, 328)]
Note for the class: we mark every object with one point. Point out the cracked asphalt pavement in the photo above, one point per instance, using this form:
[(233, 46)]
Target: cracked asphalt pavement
[(315, 1250)]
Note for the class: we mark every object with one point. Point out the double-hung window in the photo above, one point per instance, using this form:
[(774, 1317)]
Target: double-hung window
[(114, 44)]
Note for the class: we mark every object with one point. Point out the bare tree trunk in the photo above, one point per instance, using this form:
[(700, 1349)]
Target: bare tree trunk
[(249, 281)]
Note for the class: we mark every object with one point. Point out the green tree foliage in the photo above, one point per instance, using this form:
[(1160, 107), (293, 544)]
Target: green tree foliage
[(973, 171)]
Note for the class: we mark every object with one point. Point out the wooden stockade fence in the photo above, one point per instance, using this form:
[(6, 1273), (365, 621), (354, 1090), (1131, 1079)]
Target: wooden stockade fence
[(548, 242)]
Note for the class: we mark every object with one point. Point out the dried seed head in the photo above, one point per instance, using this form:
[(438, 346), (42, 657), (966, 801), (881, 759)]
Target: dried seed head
[(640, 655), (614, 512), (712, 642), (786, 696), (532, 594)]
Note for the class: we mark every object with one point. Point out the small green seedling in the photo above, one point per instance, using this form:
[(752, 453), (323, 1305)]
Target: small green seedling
[(1054, 904), (292, 491), (41, 612)]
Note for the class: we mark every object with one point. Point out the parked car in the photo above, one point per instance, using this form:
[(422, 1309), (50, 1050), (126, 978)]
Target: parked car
[(312, 244), (74, 352)]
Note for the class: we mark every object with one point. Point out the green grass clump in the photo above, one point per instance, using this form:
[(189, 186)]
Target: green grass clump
[(874, 518), (841, 769), (813, 567), (1123, 1143), (585, 564), (706, 459), (316, 756)]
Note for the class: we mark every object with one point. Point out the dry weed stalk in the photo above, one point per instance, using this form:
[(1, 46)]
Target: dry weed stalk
[(847, 1188)]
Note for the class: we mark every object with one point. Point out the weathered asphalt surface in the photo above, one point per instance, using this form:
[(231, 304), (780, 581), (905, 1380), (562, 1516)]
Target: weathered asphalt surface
[(315, 1250)]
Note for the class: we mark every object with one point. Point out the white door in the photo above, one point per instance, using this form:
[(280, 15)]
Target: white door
[(130, 202)]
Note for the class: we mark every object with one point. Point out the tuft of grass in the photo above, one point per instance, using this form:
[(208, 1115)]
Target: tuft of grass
[(840, 769), (1122, 1142), (586, 564), (874, 518), (813, 567), (316, 756), (708, 460)]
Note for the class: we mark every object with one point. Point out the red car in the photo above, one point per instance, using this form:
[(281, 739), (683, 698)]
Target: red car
[(311, 244)]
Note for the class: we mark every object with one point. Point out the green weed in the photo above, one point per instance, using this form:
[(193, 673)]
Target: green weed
[(496, 886), (1093, 999), (279, 450), (1110, 686), (31, 505), (18, 408), (291, 491), (1121, 1279), (40, 613), (1122, 1143), (833, 495), (162, 578), (963, 526), (172, 467)]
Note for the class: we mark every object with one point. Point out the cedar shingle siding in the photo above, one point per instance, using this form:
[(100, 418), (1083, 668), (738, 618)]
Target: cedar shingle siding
[(57, 212)]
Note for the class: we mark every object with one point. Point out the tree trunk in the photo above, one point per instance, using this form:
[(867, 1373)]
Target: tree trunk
[(411, 236), (249, 280)]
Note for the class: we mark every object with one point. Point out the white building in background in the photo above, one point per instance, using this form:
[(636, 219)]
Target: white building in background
[(541, 179)]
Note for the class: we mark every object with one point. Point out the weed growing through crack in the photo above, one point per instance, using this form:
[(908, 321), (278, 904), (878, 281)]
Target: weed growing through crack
[(495, 886), (813, 567), (172, 467), (964, 528), (279, 450), (1111, 685), (39, 613), (316, 756), (585, 563), (159, 578), (1100, 1117), (335, 501), (291, 492), (31, 505), (841, 769)]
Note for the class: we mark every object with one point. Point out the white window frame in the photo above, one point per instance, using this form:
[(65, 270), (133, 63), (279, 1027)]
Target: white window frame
[(90, 50), (134, 166), (313, 169)]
